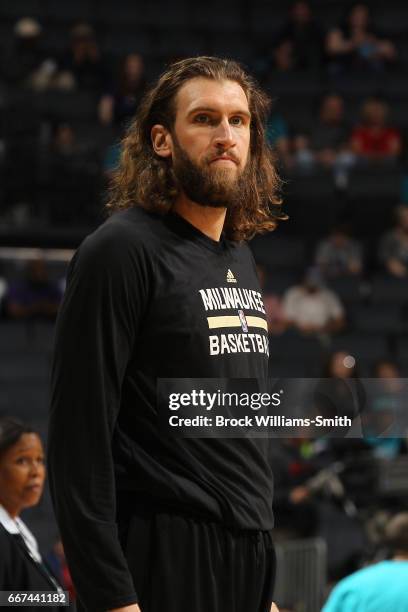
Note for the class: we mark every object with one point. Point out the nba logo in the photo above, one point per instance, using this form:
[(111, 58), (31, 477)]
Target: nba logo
[(243, 320)]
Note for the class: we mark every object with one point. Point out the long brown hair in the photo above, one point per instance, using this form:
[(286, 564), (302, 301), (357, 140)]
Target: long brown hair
[(145, 179)]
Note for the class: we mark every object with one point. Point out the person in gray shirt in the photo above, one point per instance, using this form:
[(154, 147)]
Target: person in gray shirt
[(393, 252), (339, 255)]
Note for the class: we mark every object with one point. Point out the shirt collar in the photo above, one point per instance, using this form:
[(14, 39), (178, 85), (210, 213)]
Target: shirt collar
[(17, 526), (7, 522)]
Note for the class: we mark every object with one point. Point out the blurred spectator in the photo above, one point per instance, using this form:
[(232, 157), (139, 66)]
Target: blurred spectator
[(111, 159), (328, 143), (296, 512), (70, 160), (309, 500), (64, 140), (382, 586), (303, 156), (3, 291), (346, 394), (374, 139), (339, 255), (312, 308), (67, 150), (393, 252), (387, 369), (340, 365), (330, 135), (273, 305), (120, 106), (58, 564), (275, 315), (383, 422), (304, 35), (35, 296), (73, 177), (83, 66), (404, 188), (356, 46), (277, 133), (67, 157), (283, 60), (26, 63)]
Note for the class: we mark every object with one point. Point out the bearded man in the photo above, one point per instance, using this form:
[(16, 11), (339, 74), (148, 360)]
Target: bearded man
[(167, 288)]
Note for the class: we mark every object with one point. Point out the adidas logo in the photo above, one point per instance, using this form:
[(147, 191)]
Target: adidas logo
[(230, 277)]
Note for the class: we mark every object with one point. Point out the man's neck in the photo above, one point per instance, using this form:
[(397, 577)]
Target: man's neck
[(207, 219)]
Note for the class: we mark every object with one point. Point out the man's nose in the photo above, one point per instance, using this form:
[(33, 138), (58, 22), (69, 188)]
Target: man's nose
[(224, 134)]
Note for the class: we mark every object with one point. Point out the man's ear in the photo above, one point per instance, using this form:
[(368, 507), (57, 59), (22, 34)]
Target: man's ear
[(162, 141)]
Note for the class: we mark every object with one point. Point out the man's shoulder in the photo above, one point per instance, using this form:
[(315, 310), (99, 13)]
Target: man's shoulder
[(125, 242), (133, 224), (124, 232)]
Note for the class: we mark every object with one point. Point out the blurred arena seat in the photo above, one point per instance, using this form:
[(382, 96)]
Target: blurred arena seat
[(350, 289), (67, 13), (310, 202), (292, 354), (19, 336), (367, 348), (67, 106), (118, 44), (388, 289), (279, 252), (392, 477), (12, 10), (382, 181), (402, 348), (130, 15), (263, 18), (386, 319), (23, 367)]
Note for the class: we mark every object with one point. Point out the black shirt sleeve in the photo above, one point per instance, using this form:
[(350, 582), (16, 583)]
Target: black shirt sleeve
[(96, 329)]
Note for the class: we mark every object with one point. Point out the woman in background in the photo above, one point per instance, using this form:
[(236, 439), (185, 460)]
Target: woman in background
[(22, 475)]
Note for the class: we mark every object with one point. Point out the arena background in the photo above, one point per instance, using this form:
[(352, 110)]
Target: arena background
[(71, 75)]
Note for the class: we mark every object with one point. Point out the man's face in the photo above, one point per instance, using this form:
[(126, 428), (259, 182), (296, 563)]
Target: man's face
[(210, 141)]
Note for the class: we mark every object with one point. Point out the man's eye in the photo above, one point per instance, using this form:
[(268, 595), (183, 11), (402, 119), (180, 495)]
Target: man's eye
[(202, 118), (236, 120)]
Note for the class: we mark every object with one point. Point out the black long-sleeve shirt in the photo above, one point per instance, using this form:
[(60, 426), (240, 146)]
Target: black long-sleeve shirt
[(147, 297)]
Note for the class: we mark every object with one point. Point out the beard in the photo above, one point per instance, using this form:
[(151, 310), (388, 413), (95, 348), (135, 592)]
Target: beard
[(206, 185)]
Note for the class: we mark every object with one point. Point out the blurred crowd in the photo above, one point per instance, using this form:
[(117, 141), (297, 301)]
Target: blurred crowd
[(83, 95), (311, 306)]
